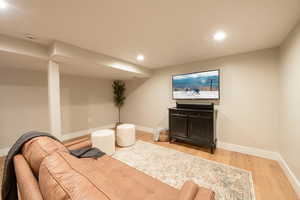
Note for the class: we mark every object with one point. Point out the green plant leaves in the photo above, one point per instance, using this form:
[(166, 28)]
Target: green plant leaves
[(119, 92)]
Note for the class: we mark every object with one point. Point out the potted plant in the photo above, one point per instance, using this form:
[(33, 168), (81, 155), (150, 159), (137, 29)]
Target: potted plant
[(119, 96)]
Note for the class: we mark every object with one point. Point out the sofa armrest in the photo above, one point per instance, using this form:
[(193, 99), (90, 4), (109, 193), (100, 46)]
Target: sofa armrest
[(191, 191), (27, 183), (188, 191), (205, 194)]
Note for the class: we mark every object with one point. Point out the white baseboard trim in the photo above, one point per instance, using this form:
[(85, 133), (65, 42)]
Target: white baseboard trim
[(265, 154), (231, 147), (254, 152), (223, 145), (69, 136), (290, 175), (249, 150)]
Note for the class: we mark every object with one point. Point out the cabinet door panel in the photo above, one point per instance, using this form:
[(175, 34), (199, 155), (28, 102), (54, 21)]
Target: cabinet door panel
[(178, 126), (200, 128)]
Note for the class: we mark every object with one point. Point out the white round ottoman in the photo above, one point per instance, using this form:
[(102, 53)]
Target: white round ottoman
[(125, 135), (104, 140)]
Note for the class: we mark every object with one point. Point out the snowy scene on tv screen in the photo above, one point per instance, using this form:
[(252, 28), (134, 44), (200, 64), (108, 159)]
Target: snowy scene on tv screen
[(203, 85)]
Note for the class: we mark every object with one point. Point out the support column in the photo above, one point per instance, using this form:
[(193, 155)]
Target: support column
[(54, 99)]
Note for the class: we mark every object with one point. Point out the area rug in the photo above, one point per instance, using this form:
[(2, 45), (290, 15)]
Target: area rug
[(174, 168)]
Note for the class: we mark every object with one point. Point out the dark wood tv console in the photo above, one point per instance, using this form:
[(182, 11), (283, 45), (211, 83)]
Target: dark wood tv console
[(194, 124)]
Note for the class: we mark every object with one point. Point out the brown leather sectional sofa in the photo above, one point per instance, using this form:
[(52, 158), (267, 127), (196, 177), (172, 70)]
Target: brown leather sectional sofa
[(46, 171)]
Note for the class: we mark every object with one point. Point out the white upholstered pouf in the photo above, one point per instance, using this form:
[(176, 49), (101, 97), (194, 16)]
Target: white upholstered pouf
[(125, 135), (104, 140)]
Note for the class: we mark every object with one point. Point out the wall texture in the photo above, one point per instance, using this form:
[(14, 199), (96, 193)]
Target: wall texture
[(290, 101), (248, 109), (86, 103), (23, 103)]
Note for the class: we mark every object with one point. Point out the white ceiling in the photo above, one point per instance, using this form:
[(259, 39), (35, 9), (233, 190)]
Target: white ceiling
[(167, 32)]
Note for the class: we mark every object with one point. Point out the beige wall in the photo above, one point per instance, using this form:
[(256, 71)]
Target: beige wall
[(86, 103), (23, 103), (290, 101), (248, 109)]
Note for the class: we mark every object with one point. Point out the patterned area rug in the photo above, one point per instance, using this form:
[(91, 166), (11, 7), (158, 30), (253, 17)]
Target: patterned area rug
[(174, 168)]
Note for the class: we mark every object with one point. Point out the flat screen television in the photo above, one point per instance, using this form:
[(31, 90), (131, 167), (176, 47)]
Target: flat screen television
[(199, 85)]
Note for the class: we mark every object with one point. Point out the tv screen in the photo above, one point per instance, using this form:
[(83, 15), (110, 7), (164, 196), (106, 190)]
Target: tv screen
[(200, 85)]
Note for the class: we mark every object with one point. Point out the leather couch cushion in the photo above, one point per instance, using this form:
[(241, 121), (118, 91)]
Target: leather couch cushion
[(80, 145), (28, 186), (58, 180), (38, 148), (63, 176)]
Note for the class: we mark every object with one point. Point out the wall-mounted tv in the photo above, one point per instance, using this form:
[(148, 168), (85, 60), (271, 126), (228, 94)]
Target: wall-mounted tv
[(199, 85)]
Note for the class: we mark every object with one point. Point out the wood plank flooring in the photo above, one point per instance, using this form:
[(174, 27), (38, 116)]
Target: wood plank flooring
[(269, 179)]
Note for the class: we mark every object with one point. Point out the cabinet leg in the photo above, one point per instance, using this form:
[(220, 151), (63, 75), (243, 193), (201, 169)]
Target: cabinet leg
[(212, 148)]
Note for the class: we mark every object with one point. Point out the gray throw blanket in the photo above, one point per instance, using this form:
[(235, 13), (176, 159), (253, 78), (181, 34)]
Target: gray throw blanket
[(9, 185)]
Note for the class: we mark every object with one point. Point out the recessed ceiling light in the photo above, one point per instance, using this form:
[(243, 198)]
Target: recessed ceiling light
[(3, 4), (220, 35), (140, 57)]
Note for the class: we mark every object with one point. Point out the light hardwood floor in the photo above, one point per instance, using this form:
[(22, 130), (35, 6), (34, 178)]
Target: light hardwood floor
[(269, 179)]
